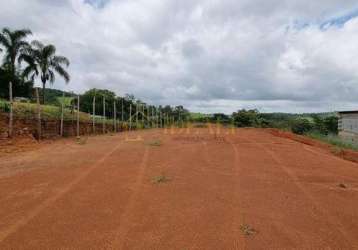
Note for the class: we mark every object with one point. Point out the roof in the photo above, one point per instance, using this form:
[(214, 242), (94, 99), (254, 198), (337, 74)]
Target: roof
[(348, 112)]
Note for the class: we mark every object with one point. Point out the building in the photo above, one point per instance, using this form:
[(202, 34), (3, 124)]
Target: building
[(348, 125)]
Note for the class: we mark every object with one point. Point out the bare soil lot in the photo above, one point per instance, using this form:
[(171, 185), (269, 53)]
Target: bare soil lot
[(198, 189)]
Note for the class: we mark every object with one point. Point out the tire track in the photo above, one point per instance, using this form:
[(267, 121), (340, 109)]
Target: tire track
[(45, 204), (275, 223), (126, 216), (238, 218), (331, 219)]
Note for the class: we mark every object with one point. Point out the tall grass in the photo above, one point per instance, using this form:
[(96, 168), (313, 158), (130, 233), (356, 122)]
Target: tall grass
[(334, 140), (48, 112)]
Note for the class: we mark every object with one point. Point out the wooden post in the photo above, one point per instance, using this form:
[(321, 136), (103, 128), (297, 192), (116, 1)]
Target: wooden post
[(62, 111), (38, 114), (161, 119), (115, 116), (104, 115), (94, 115), (143, 114), (136, 112), (11, 115), (78, 116), (130, 116), (157, 118), (122, 110), (153, 121)]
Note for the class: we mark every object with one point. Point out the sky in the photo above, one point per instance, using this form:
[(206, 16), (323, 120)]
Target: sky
[(208, 55)]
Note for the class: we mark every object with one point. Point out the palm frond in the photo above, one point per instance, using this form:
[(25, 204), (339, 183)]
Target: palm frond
[(48, 51), (17, 35), (51, 76), (37, 45), (61, 60), (4, 41), (62, 72), (30, 72)]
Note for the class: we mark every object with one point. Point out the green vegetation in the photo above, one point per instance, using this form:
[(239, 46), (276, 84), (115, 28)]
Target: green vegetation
[(48, 112), (160, 179), (81, 140), (320, 126), (247, 230), (333, 140), (155, 143), (301, 126), (40, 60)]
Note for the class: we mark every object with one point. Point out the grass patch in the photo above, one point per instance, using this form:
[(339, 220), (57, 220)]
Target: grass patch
[(81, 140), (160, 179), (247, 230), (155, 143), (200, 125), (49, 112), (334, 140)]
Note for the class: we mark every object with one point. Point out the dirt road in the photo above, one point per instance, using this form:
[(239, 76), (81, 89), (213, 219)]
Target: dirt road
[(235, 189)]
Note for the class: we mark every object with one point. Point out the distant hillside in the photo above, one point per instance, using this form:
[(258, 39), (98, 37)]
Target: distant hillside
[(51, 95)]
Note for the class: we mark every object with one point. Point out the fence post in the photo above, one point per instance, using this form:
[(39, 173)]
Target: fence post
[(104, 115), (94, 114), (161, 119), (38, 114), (62, 110), (122, 111), (130, 116), (136, 118), (115, 117), (78, 116), (143, 108), (156, 118), (153, 121), (11, 117)]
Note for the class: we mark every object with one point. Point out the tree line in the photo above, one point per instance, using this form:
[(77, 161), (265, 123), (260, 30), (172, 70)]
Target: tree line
[(127, 105)]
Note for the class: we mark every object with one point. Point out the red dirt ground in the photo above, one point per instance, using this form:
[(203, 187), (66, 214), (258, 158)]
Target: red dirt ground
[(236, 189)]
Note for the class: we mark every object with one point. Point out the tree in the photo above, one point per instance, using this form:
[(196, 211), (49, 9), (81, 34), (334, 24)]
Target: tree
[(246, 118), (15, 46), (301, 126), (42, 60), (86, 104)]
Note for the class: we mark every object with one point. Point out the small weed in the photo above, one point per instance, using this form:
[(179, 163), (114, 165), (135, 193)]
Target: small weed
[(336, 150), (81, 141), (247, 230), (160, 179), (341, 185), (155, 143)]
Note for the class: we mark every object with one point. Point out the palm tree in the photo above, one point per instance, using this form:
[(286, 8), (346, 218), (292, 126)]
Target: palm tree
[(15, 45), (42, 60)]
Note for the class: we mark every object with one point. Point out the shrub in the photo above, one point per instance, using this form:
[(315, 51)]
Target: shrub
[(331, 124), (301, 126), (246, 118)]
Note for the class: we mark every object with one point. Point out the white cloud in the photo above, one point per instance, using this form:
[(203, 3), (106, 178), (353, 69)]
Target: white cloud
[(207, 55)]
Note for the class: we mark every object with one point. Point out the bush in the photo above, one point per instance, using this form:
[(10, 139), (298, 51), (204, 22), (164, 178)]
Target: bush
[(331, 124), (301, 126), (246, 118)]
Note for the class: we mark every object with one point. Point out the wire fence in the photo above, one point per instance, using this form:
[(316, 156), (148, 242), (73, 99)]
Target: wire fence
[(20, 116)]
